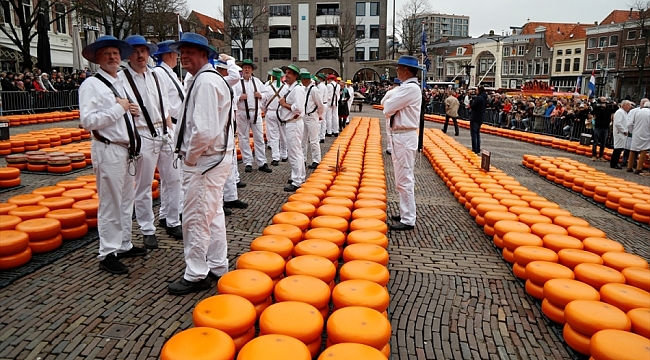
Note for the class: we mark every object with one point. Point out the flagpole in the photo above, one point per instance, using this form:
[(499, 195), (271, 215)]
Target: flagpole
[(180, 32)]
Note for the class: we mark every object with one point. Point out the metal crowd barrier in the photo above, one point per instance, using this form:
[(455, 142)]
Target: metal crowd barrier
[(29, 102)]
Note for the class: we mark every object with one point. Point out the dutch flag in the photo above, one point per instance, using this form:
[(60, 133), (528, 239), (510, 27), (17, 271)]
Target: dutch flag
[(180, 29), (592, 83)]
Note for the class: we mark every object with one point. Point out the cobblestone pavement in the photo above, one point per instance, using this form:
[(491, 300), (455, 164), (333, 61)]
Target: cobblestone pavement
[(452, 296)]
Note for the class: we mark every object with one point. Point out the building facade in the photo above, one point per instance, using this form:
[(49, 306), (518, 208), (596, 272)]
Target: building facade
[(568, 60), (302, 32), (439, 26)]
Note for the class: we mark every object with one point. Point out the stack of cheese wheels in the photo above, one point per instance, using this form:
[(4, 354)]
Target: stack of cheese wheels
[(637, 276), (640, 318), (615, 344), (318, 247), (539, 272), (14, 249), (253, 285), (59, 164), (229, 313), (17, 161), (559, 292), (523, 255), (44, 234), (361, 325), (287, 230), (90, 207), (584, 318), (73, 222), (299, 320), (275, 346), (267, 262), (359, 292), (514, 234), (625, 297), (369, 252), (351, 351), (313, 265), (199, 343), (9, 177), (77, 160), (155, 191)]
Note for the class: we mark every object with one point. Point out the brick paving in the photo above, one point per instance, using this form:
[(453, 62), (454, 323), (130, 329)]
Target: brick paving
[(452, 296)]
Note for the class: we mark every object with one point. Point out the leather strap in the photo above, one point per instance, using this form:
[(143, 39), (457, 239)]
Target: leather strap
[(243, 89), (334, 99), (277, 111), (160, 103), (178, 88), (277, 93), (145, 112), (307, 100)]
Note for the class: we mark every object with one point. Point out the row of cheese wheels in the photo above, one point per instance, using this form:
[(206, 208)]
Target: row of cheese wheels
[(294, 263), (561, 257), (44, 139), (625, 197), (59, 160), (43, 118), (9, 177)]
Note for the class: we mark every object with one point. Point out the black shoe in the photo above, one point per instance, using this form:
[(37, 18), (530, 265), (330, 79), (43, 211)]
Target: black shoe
[(213, 276), (388, 152), (284, 160), (328, 135), (396, 217), (113, 265), (227, 212), (134, 252), (183, 286), (237, 204), (456, 134), (616, 167), (265, 168), (150, 242), (176, 231), (241, 185), (289, 181), (335, 135), (290, 188), (162, 223), (638, 172), (322, 141), (401, 227), (275, 163), (248, 168), (313, 165)]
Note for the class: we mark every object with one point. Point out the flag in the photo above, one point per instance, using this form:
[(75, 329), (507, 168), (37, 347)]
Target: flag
[(180, 29), (427, 63), (592, 83), (424, 42), (578, 84)]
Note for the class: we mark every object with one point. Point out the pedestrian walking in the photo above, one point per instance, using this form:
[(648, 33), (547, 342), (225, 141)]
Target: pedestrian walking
[(451, 112), (477, 105)]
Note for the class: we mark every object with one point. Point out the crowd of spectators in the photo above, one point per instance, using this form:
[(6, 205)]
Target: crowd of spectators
[(35, 80)]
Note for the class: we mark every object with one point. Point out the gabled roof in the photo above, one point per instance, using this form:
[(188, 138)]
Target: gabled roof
[(579, 31), (620, 16), (554, 31), (207, 21)]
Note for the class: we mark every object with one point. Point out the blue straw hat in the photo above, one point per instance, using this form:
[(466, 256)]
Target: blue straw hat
[(409, 61), (163, 48), (139, 40), (105, 41), (194, 40)]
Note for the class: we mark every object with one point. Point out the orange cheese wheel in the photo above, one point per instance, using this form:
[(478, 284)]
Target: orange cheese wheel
[(9, 222), (557, 242), (287, 230), (540, 272), (339, 201), (49, 191), (29, 212), (534, 290), (503, 227), (267, 262), (25, 199), (275, 346), (280, 245), (334, 210), (332, 235), (360, 292), (92, 223), (43, 246), (303, 288), (360, 325), (229, 313), (314, 184), (293, 218), (6, 207), (57, 202), (13, 261), (577, 341), (530, 219), (573, 257), (328, 221), (370, 252), (13, 242), (9, 173), (639, 277), (324, 248), (597, 275), (40, 228), (498, 242), (308, 198), (373, 203), (367, 237), (566, 221), (369, 224), (583, 232), (514, 239), (242, 340), (560, 292), (253, 285), (599, 245), (483, 208), (556, 314), (301, 207), (292, 318), (311, 191), (642, 209), (553, 212), (71, 184), (519, 210), (372, 213), (624, 297), (588, 317), (73, 233), (611, 344), (519, 271), (542, 204), (312, 265), (346, 351), (491, 217), (69, 218), (260, 307), (199, 343), (365, 270), (523, 255), (620, 260), (543, 229), (488, 230), (344, 188), (79, 194), (640, 318), (89, 206)]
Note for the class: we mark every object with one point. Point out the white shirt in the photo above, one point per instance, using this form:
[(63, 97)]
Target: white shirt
[(314, 102), (98, 109), (351, 99), (641, 134), (322, 88), (208, 106), (233, 76), (250, 95), (405, 102), (270, 99), (620, 127), (295, 96), (149, 93), (333, 93), (168, 82)]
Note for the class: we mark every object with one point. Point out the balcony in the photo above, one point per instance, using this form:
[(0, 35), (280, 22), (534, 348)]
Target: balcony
[(327, 20), (280, 21), (280, 43)]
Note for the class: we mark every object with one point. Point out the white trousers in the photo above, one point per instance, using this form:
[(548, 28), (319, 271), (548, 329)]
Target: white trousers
[(323, 123), (405, 148), (244, 126), (204, 230), (230, 188), (389, 137), (310, 137), (294, 130), (333, 119), (115, 190), (276, 135), (156, 153)]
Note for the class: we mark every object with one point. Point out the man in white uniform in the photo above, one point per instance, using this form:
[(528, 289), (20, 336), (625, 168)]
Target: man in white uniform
[(322, 89), (630, 132), (204, 140), (620, 133), (250, 91), (107, 113), (154, 126), (348, 85), (402, 111), (333, 95), (275, 134), (313, 112), (291, 113), (640, 138), (389, 136)]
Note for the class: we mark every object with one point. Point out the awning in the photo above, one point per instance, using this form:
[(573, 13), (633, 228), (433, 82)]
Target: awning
[(61, 58)]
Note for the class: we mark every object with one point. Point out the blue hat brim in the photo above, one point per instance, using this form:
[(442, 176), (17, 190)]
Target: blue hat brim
[(163, 48), (151, 47), (212, 54), (407, 65), (90, 51)]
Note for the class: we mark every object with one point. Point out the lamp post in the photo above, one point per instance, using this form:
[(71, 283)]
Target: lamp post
[(392, 45)]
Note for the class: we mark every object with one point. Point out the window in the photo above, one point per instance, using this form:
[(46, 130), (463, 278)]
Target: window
[(361, 31), (450, 68), (613, 40), (529, 69), (602, 41), (568, 51), (506, 51), (483, 65), (325, 31), (520, 50), (234, 52), (248, 53), (504, 84), (59, 10), (590, 61), (591, 43), (559, 52), (326, 53), (361, 9), (234, 11), (27, 9), (280, 54), (374, 53), (374, 31), (506, 67), (280, 32), (374, 9), (578, 51), (545, 66), (631, 35), (576, 64), (360, 54), (601, 61), (627, 57), (538, 51), (520, 67), (279, 10), (538, 67), (327, 9), (6, 12), (611, 60), (558, 65), (513, 68), (567, 65)]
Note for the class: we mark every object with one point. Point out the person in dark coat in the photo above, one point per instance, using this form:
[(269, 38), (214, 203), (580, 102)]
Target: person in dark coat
[(477, 105), (344, 111)]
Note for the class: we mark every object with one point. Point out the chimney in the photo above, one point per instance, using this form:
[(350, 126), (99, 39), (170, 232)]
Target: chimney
[(630, 15)]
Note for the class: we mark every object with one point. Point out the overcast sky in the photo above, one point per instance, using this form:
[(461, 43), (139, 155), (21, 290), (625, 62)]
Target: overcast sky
[(489, 15)]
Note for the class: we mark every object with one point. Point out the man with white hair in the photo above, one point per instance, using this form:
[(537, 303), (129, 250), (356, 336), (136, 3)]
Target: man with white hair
[(620, 133), (640, 138), (630, 131)]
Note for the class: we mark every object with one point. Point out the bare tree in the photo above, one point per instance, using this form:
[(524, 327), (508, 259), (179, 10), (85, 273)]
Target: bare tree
[(117, 16), (642, 25), (161, 18), (24, 31), (343, 36), (409, 28), (243, 20)]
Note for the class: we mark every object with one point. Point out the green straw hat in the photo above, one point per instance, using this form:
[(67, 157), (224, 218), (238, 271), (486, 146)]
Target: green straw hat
[(295, 69)]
